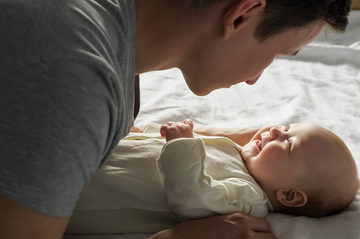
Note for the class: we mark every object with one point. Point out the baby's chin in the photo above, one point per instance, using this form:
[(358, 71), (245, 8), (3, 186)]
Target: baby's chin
[(241, 152), (245, 151), (250, 150)]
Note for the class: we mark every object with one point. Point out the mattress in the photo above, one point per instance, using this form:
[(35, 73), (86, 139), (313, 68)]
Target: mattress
[(320, 85)]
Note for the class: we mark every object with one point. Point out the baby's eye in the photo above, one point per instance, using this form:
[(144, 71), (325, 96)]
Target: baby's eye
[(290, 143), (287, 128)]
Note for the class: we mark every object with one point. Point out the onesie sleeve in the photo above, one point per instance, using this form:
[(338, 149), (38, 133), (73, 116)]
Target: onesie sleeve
[(192, 193)]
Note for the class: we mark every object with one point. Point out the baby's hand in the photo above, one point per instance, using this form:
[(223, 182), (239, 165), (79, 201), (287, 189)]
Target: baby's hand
[(176, 130), (136, 129)]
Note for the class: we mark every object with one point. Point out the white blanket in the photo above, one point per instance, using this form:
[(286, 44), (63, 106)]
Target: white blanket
[(321, 85)]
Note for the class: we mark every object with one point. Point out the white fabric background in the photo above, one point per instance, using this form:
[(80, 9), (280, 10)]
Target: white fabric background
[(321, 85)]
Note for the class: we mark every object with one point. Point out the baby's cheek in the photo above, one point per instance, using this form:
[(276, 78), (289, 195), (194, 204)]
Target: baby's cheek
[(264, 166), (243, 153)]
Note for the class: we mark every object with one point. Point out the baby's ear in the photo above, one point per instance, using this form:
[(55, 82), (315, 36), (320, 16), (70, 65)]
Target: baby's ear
[(292, 197)]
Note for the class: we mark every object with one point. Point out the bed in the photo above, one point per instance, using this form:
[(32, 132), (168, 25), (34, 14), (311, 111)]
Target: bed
[(321, 85)]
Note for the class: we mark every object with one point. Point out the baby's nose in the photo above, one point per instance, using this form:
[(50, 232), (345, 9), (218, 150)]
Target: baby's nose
[(265, 134), (274, 132)]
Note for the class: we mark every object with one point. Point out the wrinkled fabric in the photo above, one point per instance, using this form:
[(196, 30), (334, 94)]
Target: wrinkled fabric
[(182, 179)]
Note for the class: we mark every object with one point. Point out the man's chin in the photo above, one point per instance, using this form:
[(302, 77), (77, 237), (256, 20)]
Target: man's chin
[(200, 91), (197, 84)]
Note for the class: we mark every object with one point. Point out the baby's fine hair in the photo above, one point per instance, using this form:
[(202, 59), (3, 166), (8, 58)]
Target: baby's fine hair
[(324, 199), (331, 191)]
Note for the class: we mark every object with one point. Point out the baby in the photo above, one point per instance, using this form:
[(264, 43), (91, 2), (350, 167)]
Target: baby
[(303, 168), (151, 183)]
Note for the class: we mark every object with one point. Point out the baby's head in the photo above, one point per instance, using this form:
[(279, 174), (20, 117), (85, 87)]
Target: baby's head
[(304, 169)]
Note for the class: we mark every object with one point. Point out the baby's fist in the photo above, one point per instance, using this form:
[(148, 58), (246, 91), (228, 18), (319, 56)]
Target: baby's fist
[(174, 130)]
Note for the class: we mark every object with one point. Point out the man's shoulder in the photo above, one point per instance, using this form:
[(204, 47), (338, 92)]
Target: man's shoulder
[(35, 31)]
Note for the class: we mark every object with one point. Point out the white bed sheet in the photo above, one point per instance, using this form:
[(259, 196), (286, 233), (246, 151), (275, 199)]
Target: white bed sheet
[(321, 85)]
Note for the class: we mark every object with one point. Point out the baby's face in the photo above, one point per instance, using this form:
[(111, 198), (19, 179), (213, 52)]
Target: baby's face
[(279, 155)]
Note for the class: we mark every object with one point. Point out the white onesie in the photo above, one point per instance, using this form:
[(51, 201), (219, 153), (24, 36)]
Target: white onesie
[(149, 185)]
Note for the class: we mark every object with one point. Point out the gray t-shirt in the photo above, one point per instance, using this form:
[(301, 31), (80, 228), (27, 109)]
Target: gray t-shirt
[(66, 95)]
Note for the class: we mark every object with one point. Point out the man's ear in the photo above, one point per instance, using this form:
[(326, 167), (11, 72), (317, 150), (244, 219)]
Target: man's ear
[(236, 15), (292, 197)]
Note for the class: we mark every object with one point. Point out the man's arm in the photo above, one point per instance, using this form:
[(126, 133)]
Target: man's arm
[(20, 222), (241, 136), (233, 226)]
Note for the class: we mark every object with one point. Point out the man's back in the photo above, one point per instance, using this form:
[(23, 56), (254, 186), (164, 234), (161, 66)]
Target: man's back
[(66, 87)]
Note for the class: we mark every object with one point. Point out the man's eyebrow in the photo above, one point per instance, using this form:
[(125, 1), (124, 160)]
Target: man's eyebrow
[(296, 53)]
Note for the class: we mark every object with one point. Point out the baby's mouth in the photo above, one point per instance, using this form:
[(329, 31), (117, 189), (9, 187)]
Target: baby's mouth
[(265, 136)]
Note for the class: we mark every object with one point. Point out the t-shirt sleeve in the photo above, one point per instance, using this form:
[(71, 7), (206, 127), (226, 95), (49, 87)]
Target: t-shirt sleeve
[(58, 121)]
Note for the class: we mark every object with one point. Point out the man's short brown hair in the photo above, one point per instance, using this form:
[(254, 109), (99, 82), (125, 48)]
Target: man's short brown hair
[(282, 15)]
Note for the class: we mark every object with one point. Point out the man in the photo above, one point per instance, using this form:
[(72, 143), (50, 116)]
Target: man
[(67, 88)]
